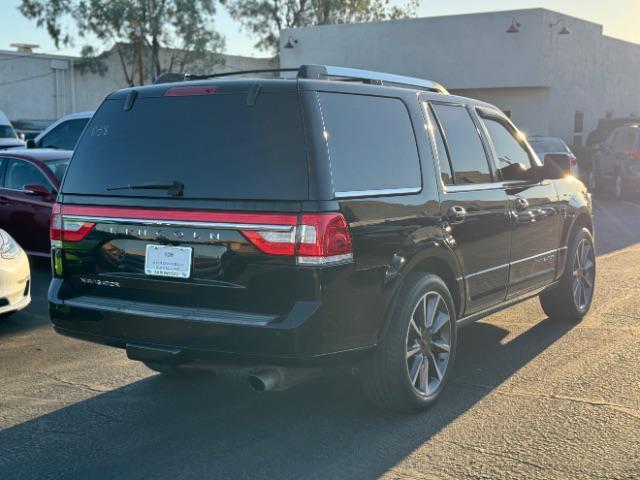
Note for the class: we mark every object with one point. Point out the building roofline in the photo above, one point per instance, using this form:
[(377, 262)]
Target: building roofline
[(13, 53), (456, 16)]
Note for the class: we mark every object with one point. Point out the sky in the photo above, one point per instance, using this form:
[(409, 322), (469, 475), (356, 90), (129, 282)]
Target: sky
[(619, 17)]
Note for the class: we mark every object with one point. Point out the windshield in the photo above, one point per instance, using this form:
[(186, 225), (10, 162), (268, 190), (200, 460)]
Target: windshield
[(58, 167), (217, 146), (549, 145), (6, 131)]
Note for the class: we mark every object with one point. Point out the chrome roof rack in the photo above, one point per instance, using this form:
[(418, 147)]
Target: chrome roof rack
[(323, 72), (379, 78)]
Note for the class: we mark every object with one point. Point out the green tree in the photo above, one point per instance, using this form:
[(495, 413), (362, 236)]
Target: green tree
[(159, 35), (265, 18)]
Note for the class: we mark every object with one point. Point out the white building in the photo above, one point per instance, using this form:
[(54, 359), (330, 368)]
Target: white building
[(555, 74), (45, 87)]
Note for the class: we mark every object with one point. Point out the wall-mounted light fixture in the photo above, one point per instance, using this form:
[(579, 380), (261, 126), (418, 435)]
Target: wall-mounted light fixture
[(564, 30), (515, 26), (291, 42)]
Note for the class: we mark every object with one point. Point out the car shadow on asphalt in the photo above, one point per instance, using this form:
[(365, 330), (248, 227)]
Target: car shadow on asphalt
[(207, 427)]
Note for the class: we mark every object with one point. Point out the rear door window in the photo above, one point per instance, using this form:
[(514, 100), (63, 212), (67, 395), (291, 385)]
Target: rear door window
[(371, 144), (218, 146), (466, 152)]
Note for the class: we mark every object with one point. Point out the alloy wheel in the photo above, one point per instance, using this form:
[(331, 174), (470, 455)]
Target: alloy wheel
[(428, 343), (584, 269)]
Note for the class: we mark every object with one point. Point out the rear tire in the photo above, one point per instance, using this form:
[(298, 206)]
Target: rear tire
[(411, 366), (571, 299)]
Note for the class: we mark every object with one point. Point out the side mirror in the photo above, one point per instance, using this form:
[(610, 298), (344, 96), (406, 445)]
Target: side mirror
[(556, 166), (37, 189), (31, 143)]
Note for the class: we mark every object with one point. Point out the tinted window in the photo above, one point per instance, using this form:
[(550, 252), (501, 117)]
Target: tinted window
[(443, 156), (509, 150), (58, 167), (549, 145), (467, 154), (371, 143), (64, 136), (216, 145), (21, 173), (7, 132)]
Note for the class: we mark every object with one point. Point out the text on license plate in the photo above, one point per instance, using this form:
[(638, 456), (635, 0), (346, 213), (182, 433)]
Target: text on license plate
[(167, 261)]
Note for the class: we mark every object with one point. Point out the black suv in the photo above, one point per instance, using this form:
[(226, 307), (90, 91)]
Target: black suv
[(339, 218)]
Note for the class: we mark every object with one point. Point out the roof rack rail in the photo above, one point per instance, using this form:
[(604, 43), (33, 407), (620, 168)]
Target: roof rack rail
[(380, 78), (321, 72)]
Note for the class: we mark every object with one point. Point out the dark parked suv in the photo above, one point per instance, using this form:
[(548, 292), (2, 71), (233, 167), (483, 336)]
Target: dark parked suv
[(339, 218)]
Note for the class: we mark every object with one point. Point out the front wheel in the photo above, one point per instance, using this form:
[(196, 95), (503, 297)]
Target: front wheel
[(571, 299), (409, 370)]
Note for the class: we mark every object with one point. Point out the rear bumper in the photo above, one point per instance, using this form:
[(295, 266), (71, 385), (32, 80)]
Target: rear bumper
[(307, 334)]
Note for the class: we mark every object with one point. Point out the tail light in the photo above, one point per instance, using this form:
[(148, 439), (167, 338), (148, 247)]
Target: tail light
[(316, 239), (574, 162), (634, 154), (62, 230)]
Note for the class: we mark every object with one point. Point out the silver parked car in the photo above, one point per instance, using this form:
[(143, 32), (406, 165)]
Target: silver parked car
[(545, 145)]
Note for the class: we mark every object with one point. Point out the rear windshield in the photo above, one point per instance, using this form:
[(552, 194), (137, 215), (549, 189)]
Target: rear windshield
[(549, 145), (58, 167), (217, 146)]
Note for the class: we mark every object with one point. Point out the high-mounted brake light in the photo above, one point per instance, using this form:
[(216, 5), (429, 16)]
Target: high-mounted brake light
[(190, 91), (67, 230), (316, 239)]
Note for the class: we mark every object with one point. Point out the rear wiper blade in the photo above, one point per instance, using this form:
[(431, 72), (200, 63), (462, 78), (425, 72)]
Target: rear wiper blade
[(175, 188)]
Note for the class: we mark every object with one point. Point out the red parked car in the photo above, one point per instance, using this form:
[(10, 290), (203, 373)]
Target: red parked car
[(29, 183)]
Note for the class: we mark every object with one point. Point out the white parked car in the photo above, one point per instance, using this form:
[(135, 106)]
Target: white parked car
[(544, 145), (15, 276), (62, 134), (8, 136)]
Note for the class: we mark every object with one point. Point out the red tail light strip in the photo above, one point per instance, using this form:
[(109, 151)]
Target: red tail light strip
[(315, 239), (181, 215)]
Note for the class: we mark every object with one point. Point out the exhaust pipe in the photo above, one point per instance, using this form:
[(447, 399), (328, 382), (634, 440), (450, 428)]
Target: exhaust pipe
[(277, 378)]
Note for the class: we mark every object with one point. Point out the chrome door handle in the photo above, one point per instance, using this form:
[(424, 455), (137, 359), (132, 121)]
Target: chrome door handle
[(456, 214), (521, 204)]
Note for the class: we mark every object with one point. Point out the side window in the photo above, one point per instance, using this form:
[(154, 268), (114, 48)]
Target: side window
[(466, 153), (20, 173), (64, 136), (3, 162), (509, 151), (371, 143), (443, 155)]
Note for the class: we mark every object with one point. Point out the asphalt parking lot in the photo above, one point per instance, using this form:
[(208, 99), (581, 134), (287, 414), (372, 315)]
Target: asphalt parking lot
[(530, 399)]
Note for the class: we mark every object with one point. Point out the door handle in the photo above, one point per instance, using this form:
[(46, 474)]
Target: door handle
[(456, 214), (521, 204)]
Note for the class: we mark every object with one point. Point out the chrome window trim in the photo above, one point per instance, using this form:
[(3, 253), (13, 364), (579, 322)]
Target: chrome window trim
[(180, 223), (377, 192)]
